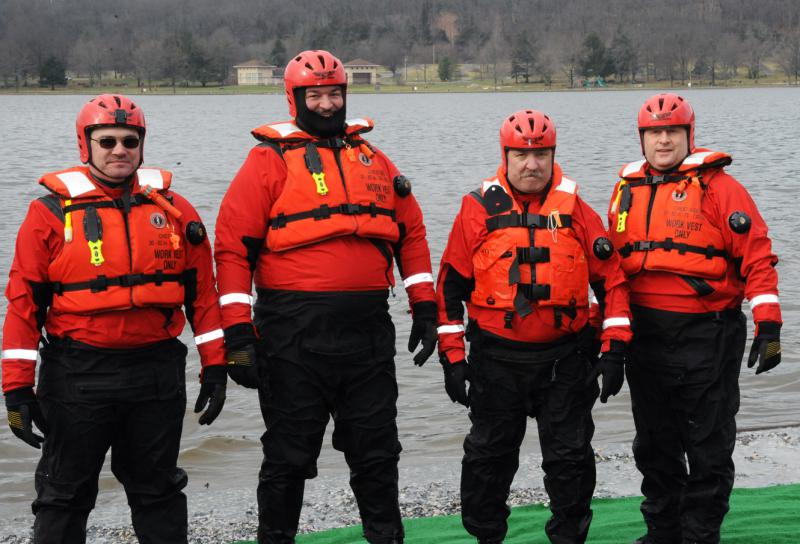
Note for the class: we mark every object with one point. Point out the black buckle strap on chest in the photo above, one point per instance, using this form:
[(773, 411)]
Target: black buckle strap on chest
[(668, 245), (527, 220), (117, 203), (102, 283), (533, 255), (535, 291), (312, 159), (325, 212), (658, 180)]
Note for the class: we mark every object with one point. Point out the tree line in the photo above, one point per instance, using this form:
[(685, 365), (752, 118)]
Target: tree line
[(197, 42)]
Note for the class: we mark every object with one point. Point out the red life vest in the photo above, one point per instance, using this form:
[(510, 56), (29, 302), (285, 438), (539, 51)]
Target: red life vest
[(112, 260), (333, 188), (513, 273), (657, 221)]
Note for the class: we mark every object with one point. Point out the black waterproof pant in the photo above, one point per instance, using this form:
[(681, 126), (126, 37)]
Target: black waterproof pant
[(131, 401), (328, 356), (684, 380), (502, 396)]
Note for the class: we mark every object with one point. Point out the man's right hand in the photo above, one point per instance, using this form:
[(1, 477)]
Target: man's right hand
[(243, 366), (23, 410), (456, 376)]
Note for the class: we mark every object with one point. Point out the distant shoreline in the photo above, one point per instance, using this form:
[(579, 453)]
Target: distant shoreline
[(419, 88)]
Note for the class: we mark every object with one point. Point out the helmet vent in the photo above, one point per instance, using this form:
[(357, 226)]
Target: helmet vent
[(118, 101), (308, 65), (321, 60), (102, 104), (661, 103), (674, 106), (530, 122), (297, 58)]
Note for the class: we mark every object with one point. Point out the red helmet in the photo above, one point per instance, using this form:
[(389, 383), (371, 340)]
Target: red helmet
[(667, 110), (107, 110), (527, 129), (312, 69)]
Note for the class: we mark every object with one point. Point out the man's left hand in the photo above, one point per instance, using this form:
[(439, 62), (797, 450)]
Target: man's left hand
[(212, 392), (611, 365), (766, 348), (423, 329)]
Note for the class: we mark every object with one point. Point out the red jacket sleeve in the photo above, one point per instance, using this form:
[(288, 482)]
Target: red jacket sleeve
[(453, 286), (412, 253), (39, 237), (202, 309), (606, 277), (241, 229), (750, 250)]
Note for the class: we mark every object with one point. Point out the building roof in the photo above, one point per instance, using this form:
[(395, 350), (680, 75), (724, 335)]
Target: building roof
[(255, 63), (361, 62)]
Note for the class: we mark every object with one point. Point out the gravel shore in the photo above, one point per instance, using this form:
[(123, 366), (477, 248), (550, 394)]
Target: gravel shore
[(762, 458)]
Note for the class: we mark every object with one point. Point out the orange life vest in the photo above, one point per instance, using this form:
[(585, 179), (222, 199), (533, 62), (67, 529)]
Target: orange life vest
[(657, 222), (529, 260), (333, 188), (113, 259)]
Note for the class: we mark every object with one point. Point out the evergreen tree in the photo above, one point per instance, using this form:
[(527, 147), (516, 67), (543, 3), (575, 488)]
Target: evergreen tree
[(446, 69), (52, 72)]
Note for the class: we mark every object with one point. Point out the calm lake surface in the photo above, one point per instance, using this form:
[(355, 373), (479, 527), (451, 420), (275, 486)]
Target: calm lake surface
[(445, 144)]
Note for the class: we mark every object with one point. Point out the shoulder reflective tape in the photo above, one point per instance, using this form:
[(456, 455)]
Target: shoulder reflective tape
[(487, 184), (763, 299), (208, 336), (76, 183), (234, 298), (594, 300), (697, 158), (632, 168), (357, 122), (284, 129), (29, 354), (616, 322), (449, 329), (151, 177), (417, 278), (567, 185)]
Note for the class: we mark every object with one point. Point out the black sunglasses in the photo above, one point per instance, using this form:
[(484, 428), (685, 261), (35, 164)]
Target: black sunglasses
[(109, 142)]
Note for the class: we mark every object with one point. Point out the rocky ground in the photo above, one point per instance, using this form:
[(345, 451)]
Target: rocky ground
[(762, 458)]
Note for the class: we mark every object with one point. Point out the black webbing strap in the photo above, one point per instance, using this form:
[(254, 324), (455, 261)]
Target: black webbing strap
[(135, 200), (658, 180), (533, 255), (528, 220), (535, 291), (101, 283), (668, 245), (325, 212)]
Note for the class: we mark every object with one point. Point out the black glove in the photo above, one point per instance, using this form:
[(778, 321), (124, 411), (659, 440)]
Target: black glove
[(212, 392), (423, 328), (23, 408), (611, 365), (243, 366), (766, 347), (456, 376)]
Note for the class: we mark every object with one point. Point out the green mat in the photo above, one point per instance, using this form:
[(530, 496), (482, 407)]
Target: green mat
[(768, 515)]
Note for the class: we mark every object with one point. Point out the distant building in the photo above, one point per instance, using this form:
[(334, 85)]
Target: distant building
[(257, 72), (361, 72)]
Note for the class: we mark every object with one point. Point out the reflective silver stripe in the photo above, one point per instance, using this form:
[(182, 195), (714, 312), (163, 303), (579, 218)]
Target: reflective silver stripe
[(616, 322), (486, 184), (594, 300), (151, 177), (76, 183), (417, 278), (697, 158), (357, 122), (449, 329), (632, 168), (763, 299), (284, 129), (567, 185), (233, 298), (208, 336), (29, 354)]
